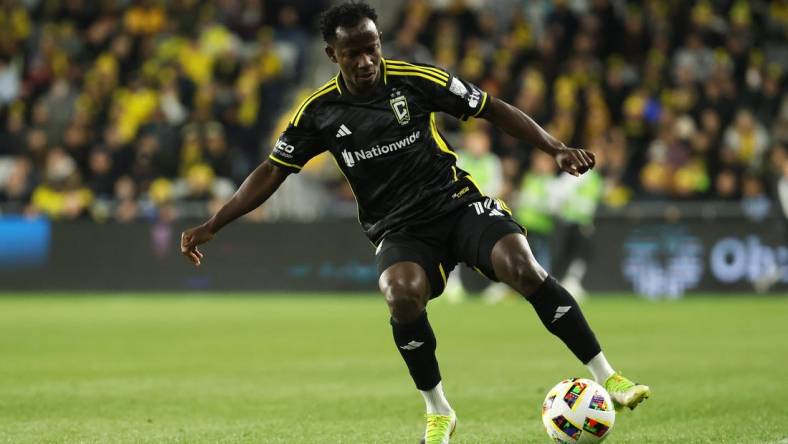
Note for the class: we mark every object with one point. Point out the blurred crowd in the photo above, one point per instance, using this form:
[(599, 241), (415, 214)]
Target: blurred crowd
[(680, 100), (139, 108), (129, 109)]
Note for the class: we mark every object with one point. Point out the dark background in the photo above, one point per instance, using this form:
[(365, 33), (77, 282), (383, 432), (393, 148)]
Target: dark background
[(335, 256)]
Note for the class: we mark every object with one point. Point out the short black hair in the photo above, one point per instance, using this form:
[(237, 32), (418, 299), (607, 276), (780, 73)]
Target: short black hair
[(345, 15)]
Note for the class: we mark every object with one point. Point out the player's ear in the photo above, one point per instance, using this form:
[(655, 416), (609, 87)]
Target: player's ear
[(331, 53)]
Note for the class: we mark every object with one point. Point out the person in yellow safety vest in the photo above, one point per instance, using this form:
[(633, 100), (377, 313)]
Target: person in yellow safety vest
[(577, 200), (485, 167), (482, 164), (534, 205)]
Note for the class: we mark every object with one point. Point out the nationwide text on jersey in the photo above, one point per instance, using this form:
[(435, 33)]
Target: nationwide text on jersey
[(352, 157)]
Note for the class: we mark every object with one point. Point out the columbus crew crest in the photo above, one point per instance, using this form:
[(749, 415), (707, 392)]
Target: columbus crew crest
[(399, 105)]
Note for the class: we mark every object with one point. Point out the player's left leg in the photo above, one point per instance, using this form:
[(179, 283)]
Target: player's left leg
[(411, 272), (514, 264)]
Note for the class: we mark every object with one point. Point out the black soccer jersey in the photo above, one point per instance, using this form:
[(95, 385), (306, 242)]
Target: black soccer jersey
[(402, 171)]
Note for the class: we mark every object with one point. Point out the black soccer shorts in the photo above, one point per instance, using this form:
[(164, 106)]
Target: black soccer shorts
[(467, 235)]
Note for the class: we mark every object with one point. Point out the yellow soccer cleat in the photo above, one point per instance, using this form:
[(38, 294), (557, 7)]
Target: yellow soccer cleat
[(440, 428), (624, 392)]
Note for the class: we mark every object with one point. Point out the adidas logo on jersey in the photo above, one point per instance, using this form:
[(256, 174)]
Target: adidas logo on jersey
[(343, 131)]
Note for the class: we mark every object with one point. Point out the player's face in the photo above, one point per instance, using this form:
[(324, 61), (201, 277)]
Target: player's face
[(357, 52)]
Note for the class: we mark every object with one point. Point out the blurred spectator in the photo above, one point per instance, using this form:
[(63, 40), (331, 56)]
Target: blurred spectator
[(145, 17), (406, 47), (477, 159), (681, 99), (16, 184), (562, 25), (202, 185), (534, 208), (12, 132), (487, 172), (768, 99), (782, 192), (61, 195), (126, 199), (778, 158), (575, 201), (746, 139), (56, 108), (9, 81), (100, 177), (693, 60), (727, 185), (755, 204)]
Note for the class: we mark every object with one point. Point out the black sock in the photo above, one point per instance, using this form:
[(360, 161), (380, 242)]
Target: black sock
[(560, 313), (416, 343)]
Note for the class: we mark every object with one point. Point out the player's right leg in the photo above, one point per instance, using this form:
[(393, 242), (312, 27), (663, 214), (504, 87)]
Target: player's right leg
[(514, 264), (406, 288)]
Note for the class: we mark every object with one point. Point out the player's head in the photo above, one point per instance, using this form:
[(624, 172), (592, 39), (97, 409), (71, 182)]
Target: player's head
[(353, 42)]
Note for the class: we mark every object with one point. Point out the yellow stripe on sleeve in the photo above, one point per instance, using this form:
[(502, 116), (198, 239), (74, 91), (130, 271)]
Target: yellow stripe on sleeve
[(326, 91), (398, 64), (305, 101), (484, 102), (405, 72), (469, 177), (443, 273), (328, 87), (292, 165), (504, 206)]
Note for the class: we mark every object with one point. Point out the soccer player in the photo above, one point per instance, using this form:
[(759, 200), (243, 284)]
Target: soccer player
[(377, 119)]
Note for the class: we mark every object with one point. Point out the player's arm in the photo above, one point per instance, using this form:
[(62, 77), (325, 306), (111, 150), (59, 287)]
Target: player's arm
[(293, 149), (463, 99), (518, 124), (255, 190)]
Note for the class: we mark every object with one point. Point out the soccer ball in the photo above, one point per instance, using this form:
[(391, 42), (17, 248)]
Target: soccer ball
[(578, 411)]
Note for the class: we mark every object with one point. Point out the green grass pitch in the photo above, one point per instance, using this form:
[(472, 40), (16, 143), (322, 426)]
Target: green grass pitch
[(322, 369)]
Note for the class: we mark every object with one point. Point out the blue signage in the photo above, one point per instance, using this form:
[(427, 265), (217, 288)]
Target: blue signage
[(24, 242)]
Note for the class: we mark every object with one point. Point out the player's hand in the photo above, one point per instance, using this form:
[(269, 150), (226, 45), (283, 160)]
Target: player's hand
[(575, 161), (193, 237)]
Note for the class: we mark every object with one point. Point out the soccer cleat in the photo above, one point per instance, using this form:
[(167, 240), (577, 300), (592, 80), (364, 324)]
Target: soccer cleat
[(439, 428), (624, 392)]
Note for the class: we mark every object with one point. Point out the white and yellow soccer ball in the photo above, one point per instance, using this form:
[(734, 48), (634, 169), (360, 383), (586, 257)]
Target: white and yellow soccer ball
[(578, 411)]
